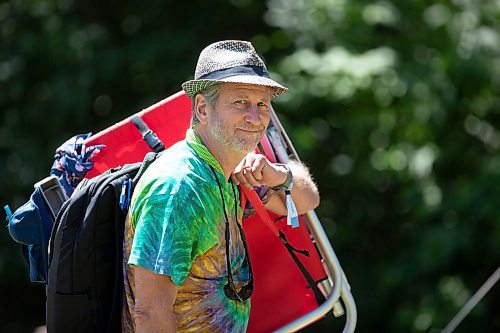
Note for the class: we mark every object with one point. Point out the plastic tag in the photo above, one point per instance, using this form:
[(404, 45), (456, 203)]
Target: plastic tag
[(8, 212), (292, 218)]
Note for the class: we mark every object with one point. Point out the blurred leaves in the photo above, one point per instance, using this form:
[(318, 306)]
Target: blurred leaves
[(395, 107), (404, 98)]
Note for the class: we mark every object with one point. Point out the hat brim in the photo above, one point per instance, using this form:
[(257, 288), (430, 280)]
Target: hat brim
[(192, 87)]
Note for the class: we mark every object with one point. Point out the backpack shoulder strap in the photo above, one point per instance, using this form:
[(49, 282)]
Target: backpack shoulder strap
[(148, 159)]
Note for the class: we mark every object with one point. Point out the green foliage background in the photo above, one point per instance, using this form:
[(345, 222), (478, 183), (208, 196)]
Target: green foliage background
[(394, 106)]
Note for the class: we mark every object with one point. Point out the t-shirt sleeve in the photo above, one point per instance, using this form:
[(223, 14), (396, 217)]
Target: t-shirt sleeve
[(167, 229)]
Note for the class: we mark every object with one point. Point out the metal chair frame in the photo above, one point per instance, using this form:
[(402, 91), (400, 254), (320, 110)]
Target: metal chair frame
[(337, 289)]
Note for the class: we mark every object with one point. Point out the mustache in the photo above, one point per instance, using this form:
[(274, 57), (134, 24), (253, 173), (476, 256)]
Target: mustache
[(247, 127)]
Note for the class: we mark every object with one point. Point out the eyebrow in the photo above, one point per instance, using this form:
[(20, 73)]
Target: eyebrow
[(243, 92)]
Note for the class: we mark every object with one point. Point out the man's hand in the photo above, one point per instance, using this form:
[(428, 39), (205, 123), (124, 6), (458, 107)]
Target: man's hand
[(256, 170)]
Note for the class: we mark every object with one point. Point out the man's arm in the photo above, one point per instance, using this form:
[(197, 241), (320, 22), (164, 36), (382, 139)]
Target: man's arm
[(154, 300), (256, 170), (304, 191)]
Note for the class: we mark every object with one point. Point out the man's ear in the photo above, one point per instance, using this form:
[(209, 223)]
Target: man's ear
[(201, 108)]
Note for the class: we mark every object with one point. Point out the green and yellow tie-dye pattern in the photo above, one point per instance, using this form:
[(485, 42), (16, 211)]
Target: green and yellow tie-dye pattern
[(176, 227)]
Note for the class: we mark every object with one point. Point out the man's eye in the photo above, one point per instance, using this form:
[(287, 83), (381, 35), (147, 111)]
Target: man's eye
[(241, 102), (263, 105)]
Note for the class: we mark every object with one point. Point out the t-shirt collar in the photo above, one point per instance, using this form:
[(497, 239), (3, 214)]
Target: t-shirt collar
[(194, 142)]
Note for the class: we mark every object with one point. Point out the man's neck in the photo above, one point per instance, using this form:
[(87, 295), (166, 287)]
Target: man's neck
[(228, 159)]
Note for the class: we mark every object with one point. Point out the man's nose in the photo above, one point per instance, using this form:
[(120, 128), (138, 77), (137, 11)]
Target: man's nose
[(252, 115)]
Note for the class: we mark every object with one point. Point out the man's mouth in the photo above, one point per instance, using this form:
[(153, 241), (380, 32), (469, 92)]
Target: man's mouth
[(250, 130)]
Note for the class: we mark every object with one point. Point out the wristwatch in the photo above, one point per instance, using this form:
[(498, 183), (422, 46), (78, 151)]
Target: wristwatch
[(288, 184)]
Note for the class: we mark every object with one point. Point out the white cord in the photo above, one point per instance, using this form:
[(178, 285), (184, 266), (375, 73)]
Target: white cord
[(472, 302)]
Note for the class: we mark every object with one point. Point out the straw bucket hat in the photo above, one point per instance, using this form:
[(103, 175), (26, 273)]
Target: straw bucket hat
[(232, 61)]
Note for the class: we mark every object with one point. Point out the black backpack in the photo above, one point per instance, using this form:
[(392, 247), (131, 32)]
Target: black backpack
[(85, 274)]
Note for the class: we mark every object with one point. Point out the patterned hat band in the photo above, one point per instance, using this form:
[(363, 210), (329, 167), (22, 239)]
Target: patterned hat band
[(236, 71)]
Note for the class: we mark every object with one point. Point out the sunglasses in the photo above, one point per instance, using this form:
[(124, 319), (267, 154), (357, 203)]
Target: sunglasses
[(230, 289)]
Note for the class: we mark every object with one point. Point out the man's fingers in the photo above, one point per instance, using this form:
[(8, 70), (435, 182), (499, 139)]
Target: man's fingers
[(235, 179), (240, 166), (258, 167), (244, 182), (245, 177), (249, 171), (249, 177)]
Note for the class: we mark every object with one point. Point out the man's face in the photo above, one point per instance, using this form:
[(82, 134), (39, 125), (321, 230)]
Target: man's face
[(241, 116)]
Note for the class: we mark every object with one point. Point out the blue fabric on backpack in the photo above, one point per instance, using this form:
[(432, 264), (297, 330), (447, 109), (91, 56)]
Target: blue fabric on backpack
[(31, 225), (72, 161)]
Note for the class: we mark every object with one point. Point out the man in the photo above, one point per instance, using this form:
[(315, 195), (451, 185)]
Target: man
[(187, 266)]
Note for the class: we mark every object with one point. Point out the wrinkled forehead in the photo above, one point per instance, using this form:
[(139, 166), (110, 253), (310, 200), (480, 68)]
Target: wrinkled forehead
[(249, 90)]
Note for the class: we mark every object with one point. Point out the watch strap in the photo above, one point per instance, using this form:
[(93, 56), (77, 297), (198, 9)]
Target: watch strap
[(288, 184)]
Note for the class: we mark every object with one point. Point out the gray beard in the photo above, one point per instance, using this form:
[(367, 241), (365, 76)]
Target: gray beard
[(228, 141)]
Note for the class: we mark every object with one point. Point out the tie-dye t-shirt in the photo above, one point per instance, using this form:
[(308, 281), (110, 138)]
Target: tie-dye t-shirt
[(176, 227)]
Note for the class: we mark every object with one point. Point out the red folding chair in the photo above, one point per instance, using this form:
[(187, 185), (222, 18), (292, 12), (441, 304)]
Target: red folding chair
[(284, 299)]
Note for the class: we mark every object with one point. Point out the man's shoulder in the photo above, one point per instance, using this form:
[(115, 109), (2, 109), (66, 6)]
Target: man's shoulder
[(181, 163), (178, 168)]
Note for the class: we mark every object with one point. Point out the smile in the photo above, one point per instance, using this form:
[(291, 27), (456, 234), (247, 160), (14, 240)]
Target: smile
[(249, 130)]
